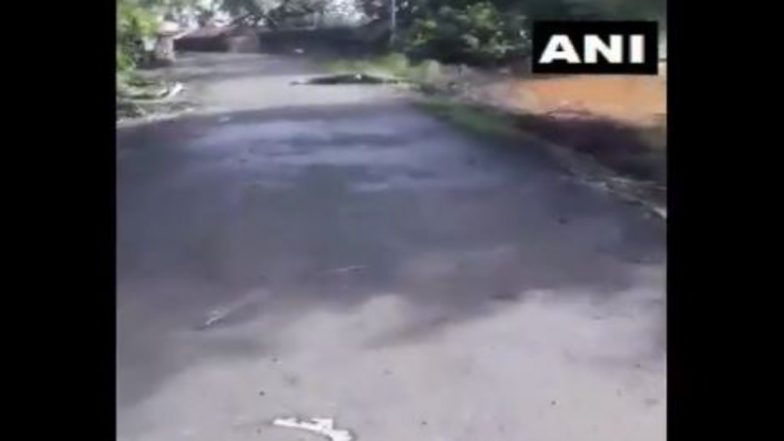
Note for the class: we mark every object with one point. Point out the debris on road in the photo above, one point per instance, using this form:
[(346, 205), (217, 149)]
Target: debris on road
[(146, 90), (321, 426), (144, 100), (345, 270), (174, 90), (220, 314), (215, 316), (353, 78)]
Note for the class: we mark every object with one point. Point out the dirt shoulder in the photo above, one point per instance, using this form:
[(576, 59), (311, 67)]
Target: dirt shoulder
[(610, 130)]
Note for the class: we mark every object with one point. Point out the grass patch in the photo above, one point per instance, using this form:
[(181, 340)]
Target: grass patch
[(391, 64), (472, 118), (132, 85), (394, 64)]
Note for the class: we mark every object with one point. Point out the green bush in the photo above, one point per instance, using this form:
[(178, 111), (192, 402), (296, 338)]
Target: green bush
[(134, 24), (491, 31), (474, 33)]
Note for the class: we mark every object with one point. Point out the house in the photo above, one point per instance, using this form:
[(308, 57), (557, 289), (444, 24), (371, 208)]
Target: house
[(212, 38)]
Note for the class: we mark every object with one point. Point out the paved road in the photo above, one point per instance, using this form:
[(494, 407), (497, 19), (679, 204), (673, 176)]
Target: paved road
[(332, 251)]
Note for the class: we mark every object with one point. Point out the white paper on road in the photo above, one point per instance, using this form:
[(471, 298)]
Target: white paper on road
[(322, 426)]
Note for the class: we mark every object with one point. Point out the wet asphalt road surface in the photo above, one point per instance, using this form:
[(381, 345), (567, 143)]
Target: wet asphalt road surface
[(332, 251)]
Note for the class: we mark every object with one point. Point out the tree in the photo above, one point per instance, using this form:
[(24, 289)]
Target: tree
[(487, 30), (465, 31), (273, 12), (135, 22)]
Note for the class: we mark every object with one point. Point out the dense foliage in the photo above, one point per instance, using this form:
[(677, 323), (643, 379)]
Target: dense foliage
[(134, 23), (274, 12), (474, 32), (137, 20), (487, 31)]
